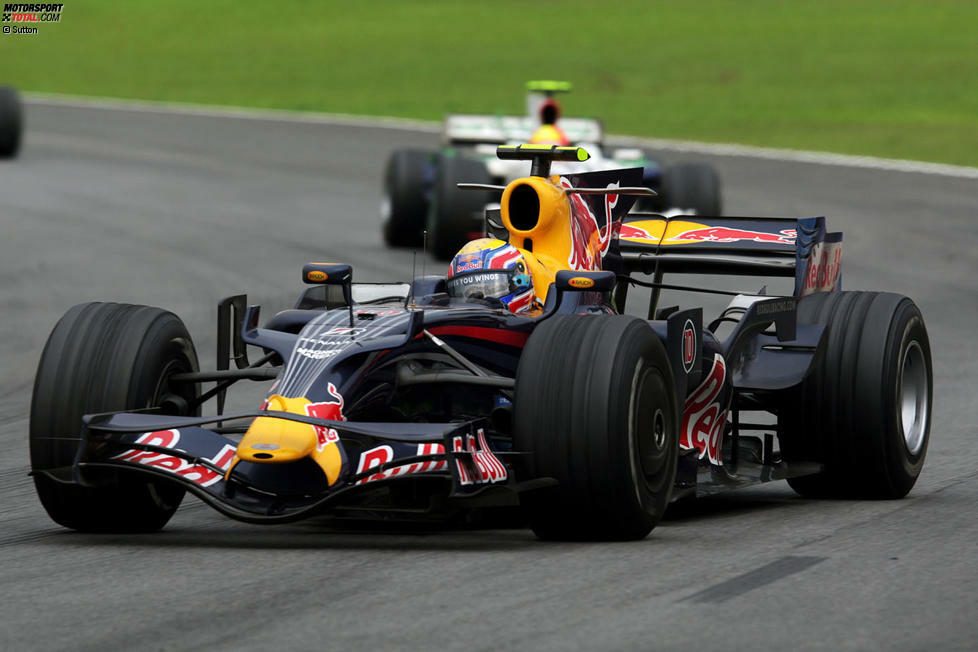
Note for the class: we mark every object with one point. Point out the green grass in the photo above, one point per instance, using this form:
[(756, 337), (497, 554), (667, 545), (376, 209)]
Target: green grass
[(879, 77)]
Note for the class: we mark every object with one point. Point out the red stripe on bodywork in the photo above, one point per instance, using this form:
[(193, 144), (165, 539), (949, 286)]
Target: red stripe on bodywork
[(497, 335)]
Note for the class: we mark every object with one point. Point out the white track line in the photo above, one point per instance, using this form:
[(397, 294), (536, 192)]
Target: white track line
[(310, 117), (217, 111)]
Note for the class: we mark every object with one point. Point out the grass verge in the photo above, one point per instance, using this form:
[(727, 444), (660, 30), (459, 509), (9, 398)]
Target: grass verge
[(875, 77)]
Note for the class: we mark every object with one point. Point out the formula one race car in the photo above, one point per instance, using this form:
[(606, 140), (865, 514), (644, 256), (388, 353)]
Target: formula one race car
[(420, 186), (428, 399), (11, 122)]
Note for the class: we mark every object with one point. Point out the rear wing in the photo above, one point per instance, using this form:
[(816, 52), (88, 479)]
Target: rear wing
[(754, 246), (500, 129)]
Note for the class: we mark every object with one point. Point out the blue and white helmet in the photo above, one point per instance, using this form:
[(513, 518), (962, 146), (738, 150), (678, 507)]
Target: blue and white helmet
[(488, 268)]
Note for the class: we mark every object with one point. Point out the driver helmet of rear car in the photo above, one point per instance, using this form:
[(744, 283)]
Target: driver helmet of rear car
[(491, 270), (548, 133)]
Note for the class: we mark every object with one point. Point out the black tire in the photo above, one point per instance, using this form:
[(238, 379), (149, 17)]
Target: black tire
[(103, 357), (11, 122), (405, 204), (586, 388), (692, 186), (456, 216), (874, 362)]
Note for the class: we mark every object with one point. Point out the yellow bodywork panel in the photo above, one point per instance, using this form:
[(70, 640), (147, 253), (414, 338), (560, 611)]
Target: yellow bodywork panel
[(654, 231), (278, 441), (550, 236)]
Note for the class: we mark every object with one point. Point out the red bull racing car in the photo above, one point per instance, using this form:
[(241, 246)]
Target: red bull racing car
[(514, 381)]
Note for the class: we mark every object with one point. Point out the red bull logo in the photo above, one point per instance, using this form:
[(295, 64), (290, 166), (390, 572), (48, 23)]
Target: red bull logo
[(589, 241), (205, 476), (631, 232), (384, 454), (704, 417), (726, 234), (653, 231), (332, 410), (824, 267)]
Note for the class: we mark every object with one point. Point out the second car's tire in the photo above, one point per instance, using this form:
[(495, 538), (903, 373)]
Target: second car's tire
[(692, 187), (405, 205), (103, 357), (595, 407), (456, 216), (11, 122), (864, 410)]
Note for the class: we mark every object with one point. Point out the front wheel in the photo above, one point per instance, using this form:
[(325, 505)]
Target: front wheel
[(11, 122), (456, 216), (405, 205), (104, 357), (595, 406)]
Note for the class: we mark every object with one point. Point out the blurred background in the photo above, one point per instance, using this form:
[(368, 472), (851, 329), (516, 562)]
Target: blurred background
[(891, 79)]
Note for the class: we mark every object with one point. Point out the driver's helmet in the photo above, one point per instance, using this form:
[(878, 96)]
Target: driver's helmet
[(549, 112), (548, 133), (490, 269)]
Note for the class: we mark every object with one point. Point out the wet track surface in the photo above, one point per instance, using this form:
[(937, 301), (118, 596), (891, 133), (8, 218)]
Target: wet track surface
[(180, 211)]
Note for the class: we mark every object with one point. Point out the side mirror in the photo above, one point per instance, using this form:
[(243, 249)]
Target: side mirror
[(331, 274), (327, 274)]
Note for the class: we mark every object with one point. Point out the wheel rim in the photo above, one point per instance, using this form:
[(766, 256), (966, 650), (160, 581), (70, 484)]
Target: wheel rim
[(647, 432), (914, 390), (163, 390)]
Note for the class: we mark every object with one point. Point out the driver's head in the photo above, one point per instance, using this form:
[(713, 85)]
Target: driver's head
[(489, 269), (549, 112), (548, 133)]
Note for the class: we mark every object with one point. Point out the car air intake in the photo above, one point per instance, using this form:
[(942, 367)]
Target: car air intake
[(524, 207)]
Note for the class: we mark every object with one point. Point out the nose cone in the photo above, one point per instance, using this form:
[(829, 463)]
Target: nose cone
[(271, 440)]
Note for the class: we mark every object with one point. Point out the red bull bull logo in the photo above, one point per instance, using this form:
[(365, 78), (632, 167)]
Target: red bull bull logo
[(332, 410), (632, 232), (727, 234), (589, 241)]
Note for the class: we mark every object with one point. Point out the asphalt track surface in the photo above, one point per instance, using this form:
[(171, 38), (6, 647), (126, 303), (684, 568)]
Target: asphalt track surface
[(179, 211)]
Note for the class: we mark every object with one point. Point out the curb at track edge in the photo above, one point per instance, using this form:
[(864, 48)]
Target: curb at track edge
[(424, 126)]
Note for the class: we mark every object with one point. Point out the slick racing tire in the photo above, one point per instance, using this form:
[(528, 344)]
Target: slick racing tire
[(11, 122), (456, 216), (104, 357), (692, 187), (864, 410), (595, 407), (404, 207)]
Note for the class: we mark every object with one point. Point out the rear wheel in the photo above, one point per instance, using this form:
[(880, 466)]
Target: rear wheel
[(404, 206), (11, 122), (692, 187), (456, 216), (103, 357), (595, 406), (864, 411)]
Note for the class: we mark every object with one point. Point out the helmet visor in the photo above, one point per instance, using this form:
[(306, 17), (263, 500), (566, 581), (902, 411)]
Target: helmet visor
[(494, 284)]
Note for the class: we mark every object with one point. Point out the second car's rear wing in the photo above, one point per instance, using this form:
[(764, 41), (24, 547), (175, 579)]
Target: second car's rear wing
[(499, 129), (758, 246)]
